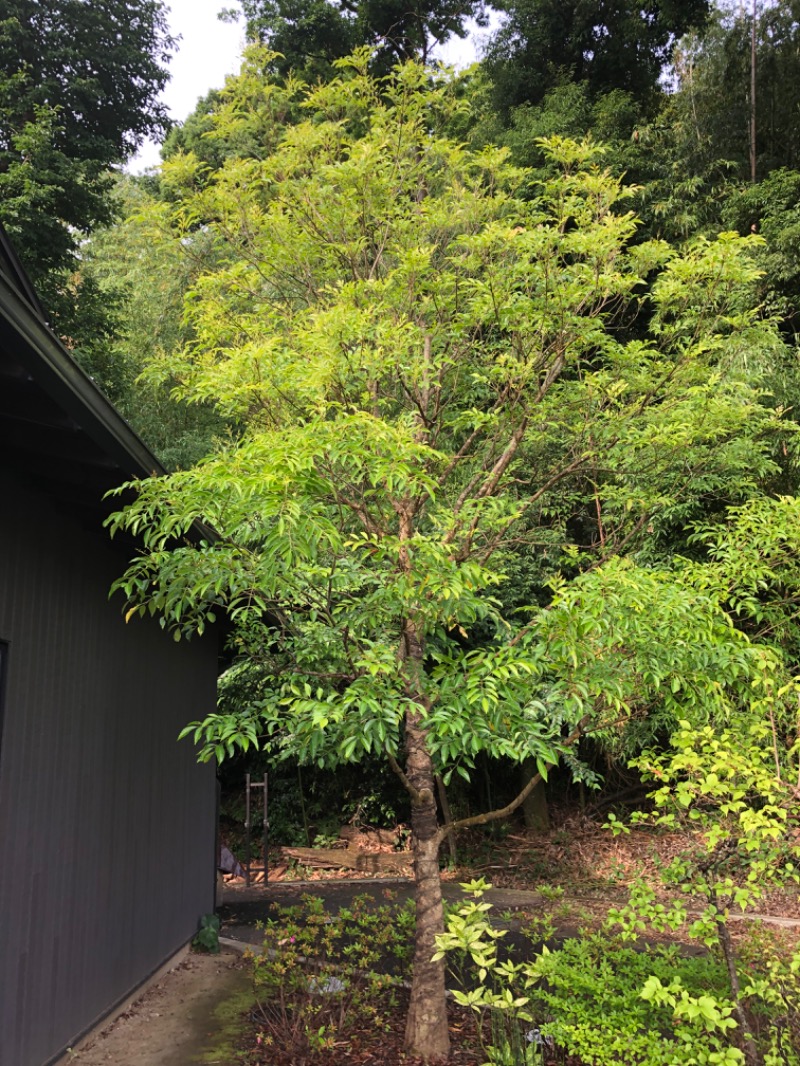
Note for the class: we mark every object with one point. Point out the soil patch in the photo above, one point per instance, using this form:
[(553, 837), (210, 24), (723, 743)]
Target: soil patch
[(374, 1045)]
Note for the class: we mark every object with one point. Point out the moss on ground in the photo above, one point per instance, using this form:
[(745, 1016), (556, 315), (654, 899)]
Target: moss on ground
[(228, 1023)]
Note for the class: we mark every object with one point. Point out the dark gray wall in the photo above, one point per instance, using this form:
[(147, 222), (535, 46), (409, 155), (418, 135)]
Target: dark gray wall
[(106, 820)]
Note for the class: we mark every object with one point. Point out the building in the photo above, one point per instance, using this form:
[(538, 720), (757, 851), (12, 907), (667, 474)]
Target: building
[(107, 822)]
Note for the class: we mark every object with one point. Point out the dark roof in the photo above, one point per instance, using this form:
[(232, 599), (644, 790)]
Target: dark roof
[(57, 429), (10, 265)]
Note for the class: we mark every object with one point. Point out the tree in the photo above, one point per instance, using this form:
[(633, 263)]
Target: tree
[(713, 71), (435, 374), (310, 35), (79, 86), (736, 791), (246, 119), (137, 263), (772, 208), (619, 45)]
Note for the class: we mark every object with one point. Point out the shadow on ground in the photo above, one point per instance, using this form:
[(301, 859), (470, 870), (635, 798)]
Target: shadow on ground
[(244, 909)]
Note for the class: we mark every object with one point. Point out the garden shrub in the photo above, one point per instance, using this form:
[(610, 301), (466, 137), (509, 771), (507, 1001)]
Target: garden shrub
[(207, 936), (322, 974), (770, 966), (594, 998)]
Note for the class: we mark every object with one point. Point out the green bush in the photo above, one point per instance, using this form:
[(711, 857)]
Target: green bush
[(321, 974), (594, 998), (770, 965), (614, 1006), (207, 937)]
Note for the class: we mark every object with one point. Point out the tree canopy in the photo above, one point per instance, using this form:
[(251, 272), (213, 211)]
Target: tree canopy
[(441, 365), (309, 35), (618, 45), (79, 86)]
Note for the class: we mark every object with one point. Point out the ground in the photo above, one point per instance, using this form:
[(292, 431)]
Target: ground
[(198, 1013), (192, 1015)]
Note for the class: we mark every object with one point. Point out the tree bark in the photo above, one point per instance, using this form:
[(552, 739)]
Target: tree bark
[(427, 1034), (534, 807)]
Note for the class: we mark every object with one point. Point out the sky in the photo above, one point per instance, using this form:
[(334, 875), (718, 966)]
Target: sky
[(208, 50)]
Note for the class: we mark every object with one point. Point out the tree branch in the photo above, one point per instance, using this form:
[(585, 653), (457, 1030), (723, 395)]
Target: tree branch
[(503, 812), (467, 445), (564, 472), (416, 795)]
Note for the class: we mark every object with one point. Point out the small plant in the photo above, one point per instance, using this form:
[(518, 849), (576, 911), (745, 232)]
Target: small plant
[(617, 872), (512, 1044), (538, 927), (550, 892), (320, 974), (734, 791), (296, 871), (594, 998), (771, 987), (207, 937)]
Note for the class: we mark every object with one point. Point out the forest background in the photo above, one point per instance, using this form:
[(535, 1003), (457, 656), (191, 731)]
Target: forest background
[(497, 434)]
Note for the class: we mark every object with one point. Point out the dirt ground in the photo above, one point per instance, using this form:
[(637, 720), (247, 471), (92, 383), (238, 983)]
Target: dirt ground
[(192, 1015)]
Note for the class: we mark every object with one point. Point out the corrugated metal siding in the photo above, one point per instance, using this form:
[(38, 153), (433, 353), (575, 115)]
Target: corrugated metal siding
[(106, 820)]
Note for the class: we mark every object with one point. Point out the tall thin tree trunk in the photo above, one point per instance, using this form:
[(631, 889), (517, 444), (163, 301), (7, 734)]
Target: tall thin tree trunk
[(444, 803), (750, 1049), (427, 1033), (303, 811), (534, 807), (753, 94)]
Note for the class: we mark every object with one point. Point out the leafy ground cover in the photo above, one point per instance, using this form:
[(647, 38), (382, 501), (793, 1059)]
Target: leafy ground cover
[(597, 1000), (367, 1045)]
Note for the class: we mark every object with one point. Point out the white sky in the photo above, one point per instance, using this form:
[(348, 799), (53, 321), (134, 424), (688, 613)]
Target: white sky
[(208, 50)]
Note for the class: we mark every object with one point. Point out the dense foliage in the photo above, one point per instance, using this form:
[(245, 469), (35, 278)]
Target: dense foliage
[(79, 87), (443, 366), (608, 1004), (618, 45), (308, 37), (498, 444)]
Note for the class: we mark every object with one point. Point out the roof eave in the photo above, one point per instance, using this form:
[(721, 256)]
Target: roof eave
[(59, 375)]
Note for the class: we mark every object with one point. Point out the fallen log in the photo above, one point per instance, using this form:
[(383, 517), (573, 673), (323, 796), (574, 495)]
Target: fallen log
[(368, 862)]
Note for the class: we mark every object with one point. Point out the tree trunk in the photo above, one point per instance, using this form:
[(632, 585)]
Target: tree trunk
[(534, 806), (750, 1050), (753, 156), (448, 817), (427, 1033)]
